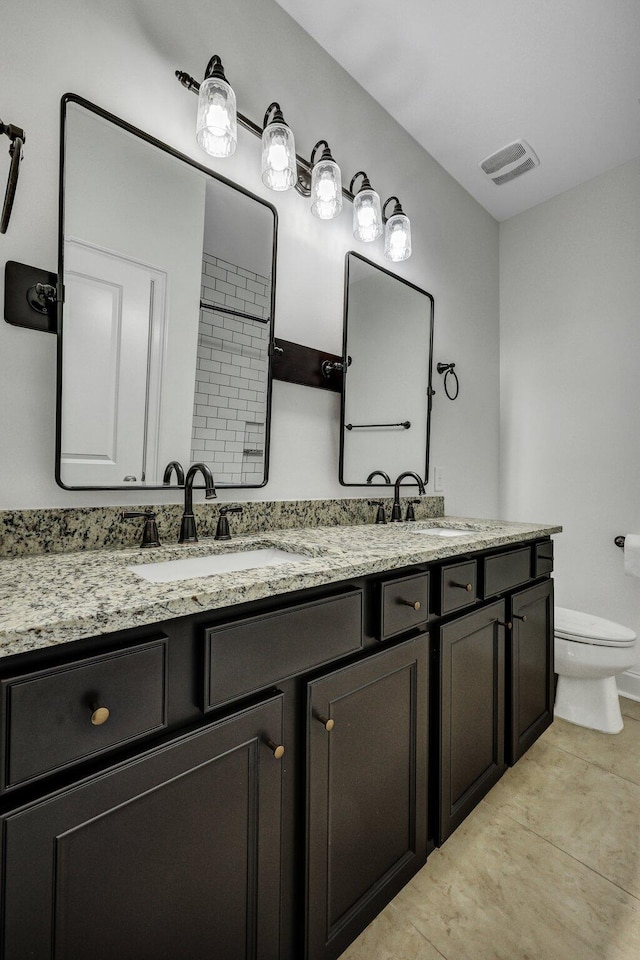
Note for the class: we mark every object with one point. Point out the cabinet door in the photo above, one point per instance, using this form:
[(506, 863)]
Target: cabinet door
[(174, 854), (367, 791), (471, 739), (529, 668)]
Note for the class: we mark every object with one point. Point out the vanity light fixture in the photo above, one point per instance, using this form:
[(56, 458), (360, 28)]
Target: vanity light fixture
[(278, 151), (217, 126), (367, 215), (326, 184), (282, 168), (397, 233)]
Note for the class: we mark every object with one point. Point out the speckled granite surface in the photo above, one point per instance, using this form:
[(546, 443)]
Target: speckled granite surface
[(31, 532), (52, 599)]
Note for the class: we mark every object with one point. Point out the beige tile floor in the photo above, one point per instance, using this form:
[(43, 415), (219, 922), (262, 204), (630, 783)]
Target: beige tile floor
[(547, 867)]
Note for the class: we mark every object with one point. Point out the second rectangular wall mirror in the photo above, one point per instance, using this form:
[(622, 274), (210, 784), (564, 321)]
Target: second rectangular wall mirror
[(386, 399), (164, 339)]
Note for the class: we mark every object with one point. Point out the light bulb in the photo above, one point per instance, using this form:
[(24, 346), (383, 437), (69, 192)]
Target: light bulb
[(397, 238), (217, 128), (278, 158), (279, 170), (367, 216), (326, 189), (217, 118)]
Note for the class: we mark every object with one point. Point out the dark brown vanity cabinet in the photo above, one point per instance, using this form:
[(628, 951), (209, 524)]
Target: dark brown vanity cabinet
[(177, 828), (493, 695), (471, 712), (529, 658), (175, 853), (58, 716), (366, 791)]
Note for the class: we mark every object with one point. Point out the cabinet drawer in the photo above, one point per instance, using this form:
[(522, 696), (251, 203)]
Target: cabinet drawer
[(543, 558), (505, 570), (50, 715), (250, 654), (458, 586), (404, 604)]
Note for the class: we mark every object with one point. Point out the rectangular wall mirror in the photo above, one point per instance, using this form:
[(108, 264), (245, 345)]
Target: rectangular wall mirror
[(164, 335), (386, 394)]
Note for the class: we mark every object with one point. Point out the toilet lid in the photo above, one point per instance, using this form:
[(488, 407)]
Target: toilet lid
[(585, 628)]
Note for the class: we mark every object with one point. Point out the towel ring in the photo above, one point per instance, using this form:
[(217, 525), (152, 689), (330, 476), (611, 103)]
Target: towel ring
[(448, 370)]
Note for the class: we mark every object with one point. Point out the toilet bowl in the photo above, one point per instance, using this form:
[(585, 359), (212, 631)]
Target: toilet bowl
[(589, 652)]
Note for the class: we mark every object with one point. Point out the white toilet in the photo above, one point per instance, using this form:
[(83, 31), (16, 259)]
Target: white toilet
[(589, 652)]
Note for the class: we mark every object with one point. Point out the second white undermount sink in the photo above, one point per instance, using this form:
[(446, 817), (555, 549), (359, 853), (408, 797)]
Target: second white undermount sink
[(187, 568)]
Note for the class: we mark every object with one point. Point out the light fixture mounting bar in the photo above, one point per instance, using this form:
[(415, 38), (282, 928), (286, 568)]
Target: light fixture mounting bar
[(305, 166)]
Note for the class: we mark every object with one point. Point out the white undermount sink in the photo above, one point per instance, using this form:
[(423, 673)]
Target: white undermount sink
[(190, 567), (442, 531)]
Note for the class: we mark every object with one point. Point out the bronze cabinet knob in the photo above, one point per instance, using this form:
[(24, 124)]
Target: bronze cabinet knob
[(99, 715), (411, 603), (463, 586), (326, 722), (277, 749), (523, 618), (506, 624)]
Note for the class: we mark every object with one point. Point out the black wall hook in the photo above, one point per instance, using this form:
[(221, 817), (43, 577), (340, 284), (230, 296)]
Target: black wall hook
[(17, 138)]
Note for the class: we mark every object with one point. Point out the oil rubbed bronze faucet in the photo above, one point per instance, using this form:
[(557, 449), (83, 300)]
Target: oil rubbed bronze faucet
[(150, 536), (188, 532), (396, 512), (380, 515), (379, 473), (168, 470), (222, 530)]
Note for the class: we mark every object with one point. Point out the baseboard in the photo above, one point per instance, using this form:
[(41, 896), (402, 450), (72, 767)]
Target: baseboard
[(629, 685)]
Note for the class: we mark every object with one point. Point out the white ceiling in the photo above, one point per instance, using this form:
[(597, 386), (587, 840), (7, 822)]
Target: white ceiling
[(467, 77)]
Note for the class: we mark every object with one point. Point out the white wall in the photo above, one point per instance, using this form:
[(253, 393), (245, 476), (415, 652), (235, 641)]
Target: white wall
[(570, 358), (122, 55)]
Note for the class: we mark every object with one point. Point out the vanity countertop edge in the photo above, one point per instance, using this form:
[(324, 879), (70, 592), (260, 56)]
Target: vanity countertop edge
[(53, 599)]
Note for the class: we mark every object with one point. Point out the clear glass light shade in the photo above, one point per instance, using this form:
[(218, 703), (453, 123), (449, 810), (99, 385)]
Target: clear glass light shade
[(326, 190), (397, 238), (367, 216), (278, 157), (217, 126)]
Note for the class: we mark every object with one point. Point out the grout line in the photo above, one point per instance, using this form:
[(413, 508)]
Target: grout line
[(594, 763), (566, 853), (440, 954)]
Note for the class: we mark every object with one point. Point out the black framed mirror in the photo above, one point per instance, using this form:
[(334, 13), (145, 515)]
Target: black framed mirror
[(386, 392), (164, 335)]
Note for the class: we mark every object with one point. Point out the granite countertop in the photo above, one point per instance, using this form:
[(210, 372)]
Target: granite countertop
[(53, 599)]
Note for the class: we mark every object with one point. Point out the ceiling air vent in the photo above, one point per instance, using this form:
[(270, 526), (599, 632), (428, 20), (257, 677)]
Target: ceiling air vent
[(509, 162)]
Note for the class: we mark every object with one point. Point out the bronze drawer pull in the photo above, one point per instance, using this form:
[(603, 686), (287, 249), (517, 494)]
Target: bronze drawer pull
[(506, 624), (99, 715), (523, 618), (411, 603), (463, 586), (276, 749), (327, 723)]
